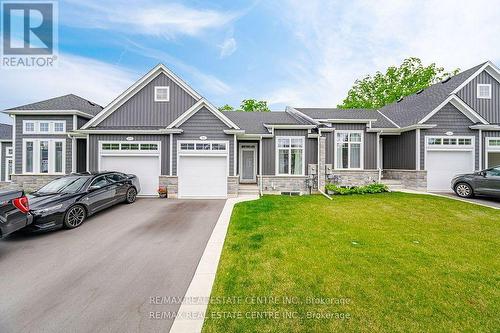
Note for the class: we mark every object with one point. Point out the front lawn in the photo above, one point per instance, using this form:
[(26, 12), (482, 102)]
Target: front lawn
[(389, 262)]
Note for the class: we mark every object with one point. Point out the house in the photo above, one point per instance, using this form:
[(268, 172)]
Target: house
[(5, 153), (167, 134)]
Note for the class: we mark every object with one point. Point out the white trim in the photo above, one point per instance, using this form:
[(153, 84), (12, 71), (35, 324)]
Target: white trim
[(486, 127), (195, 108), (254, 149), (73, 145), (14, 143), (235, 154), (102, 152), (379, 164), (362, 150), (49, 113), (290, 126), (470, 148), (159, 131), (51, 126), (292, 110), (171, 159), (461, 106), (276, 157), (491, 149), (156, 94), (480, 149), (136, 87), (401, 129), (87, 160), (390, 120), (347, 121), (481, 85), (417, 149), (51, 156), (489, 67)]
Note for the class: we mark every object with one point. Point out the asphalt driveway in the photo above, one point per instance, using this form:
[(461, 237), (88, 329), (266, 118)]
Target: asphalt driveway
[(106, 275), (485, 201)]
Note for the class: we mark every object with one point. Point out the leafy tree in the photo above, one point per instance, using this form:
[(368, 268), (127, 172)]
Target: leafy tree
[(226, 107), (375, 91), (248, 105)]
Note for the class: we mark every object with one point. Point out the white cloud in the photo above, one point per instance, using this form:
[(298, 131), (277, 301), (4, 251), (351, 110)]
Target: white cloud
[(94, 80), (341, 41), (228, 47), (145, 17)]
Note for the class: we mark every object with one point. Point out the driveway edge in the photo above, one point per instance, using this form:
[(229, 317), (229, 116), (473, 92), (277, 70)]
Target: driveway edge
[(191, 314), (450, 197)]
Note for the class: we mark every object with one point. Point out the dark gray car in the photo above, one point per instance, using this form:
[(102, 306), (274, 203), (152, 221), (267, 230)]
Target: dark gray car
[(486, 182)]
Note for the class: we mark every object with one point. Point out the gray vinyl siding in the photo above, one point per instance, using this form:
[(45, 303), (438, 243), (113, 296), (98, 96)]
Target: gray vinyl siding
[(203, 123), (142, 110), (487, 134), (449, 119), (269, 150), (20, 136), (3, 166), (93, 147), (399, 151), (81, 121), (369, 145), (489, 109)]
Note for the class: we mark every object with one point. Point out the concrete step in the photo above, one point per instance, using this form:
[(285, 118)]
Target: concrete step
[(391, 181)]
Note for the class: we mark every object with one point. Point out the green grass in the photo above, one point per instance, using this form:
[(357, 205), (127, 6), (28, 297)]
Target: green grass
[(403, 262)]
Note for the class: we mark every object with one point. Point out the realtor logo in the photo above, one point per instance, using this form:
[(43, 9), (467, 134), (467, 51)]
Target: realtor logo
[(29, 34)]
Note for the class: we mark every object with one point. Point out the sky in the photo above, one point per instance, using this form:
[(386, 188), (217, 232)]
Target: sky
[(286, 52)]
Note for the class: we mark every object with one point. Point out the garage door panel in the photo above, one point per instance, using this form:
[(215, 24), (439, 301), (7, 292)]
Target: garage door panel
[(442, 166), (146, 168), (202, 176)]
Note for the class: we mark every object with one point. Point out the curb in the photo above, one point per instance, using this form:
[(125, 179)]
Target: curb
[(449, 197)]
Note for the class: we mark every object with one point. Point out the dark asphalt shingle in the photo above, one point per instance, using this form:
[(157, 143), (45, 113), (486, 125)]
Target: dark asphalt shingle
[(66, 102), (253, 122), (334, 113)]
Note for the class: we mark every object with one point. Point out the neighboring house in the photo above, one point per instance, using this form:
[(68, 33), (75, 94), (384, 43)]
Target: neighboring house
[(6, 163), (168, 135)]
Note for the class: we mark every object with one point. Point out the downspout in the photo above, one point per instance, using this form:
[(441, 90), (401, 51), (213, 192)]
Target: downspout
[(260, 166), (480, 149), (379, 167)]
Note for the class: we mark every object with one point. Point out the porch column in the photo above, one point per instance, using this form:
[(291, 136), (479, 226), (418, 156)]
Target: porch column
[(321, 163)]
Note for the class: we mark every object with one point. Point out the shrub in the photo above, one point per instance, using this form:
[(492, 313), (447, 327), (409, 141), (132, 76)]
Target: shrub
[(367, 189)]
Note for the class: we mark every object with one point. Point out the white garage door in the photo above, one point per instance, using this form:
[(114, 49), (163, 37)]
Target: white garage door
[(443, 165), (202, 176)]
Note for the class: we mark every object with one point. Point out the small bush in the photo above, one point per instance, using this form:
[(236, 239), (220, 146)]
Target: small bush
[(367, 189)]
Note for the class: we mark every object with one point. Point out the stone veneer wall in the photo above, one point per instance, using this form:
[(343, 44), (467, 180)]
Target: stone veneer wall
[(410, 179), (278, 184), (171, 183), (354, 177), (233, 184), (30, 183)]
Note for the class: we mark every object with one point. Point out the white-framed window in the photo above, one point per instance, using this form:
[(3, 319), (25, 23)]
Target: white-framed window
[(203, 146), (44, 127), (44, 156), (492, 152), (449, 142), (9, 152), (162, 93), (290, 156), (349, 149), (484, 91), (129, 146)]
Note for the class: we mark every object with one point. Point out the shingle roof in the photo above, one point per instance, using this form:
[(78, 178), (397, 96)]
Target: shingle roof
[(132, 128), (66, 102), (5, 132), (333, 113), (411, 109), (253, 122)]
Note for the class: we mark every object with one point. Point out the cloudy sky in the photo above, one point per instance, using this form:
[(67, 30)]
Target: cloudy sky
[(288, 52)]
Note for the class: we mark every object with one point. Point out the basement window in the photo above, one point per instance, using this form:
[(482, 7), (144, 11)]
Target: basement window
[(484, 91), (162, 94)]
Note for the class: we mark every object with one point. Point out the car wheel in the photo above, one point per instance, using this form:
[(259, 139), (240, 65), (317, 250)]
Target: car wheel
[(131, 195), (464, 190), (74, 217)]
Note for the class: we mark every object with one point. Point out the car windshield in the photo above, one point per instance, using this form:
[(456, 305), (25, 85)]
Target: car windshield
[(64, 185)]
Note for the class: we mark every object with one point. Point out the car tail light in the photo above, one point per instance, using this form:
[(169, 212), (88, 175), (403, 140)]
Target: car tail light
[(22, 204)]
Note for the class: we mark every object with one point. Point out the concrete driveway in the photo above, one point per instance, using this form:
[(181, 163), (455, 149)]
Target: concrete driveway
[(485, 201), (105, 275)]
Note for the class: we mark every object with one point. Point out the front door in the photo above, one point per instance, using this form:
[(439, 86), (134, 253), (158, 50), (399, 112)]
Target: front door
[(248, 167)]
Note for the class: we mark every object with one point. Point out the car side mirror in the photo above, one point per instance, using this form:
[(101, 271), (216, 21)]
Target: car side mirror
[(93, 188), (482, 173)]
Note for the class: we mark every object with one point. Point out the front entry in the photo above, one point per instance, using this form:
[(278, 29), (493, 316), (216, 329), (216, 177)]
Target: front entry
[(248, 163)]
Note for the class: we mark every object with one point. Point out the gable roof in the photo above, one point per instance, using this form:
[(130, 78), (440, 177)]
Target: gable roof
[(136, 87), (202, 103), (253, 122), (412, 109), (5, 132), (62, 103), (343, 115)]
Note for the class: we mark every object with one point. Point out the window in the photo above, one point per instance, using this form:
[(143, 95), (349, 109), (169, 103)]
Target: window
[(100, 182), (484, 91), (349, 149), (126, 146), (218, 146), (149, 146), (111, 146), (436, 142), (29, 127), (495, 172), (187, 146), (45, 156), (44, 127), (203, 146), (162, 94), (116, 177), (290, 155), (9, 151), (494, 142), (130, 146)]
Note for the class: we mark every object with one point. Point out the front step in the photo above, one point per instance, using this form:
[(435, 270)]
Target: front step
[(248, 189), (393, 184)]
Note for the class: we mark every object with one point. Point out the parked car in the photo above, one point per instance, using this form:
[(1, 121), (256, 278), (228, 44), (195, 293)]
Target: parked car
[(486, 182), (68, 201), (14, 211)]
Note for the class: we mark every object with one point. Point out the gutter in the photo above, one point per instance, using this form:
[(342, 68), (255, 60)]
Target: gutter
[(49, 113), (401, 129), (160, 131)]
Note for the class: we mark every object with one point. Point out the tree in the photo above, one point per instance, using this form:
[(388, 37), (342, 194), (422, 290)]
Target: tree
[(375, 91), (248, 105)]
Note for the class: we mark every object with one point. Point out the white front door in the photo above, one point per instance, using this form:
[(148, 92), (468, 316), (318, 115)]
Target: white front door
[(8, 171), (248, 163), (202, 176)]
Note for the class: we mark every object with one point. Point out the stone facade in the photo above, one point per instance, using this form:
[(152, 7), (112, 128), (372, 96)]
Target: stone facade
[(279, 184), (322, 164), (30, 183), (410, 179), (233, 183), (171, 182), (353, 177)]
